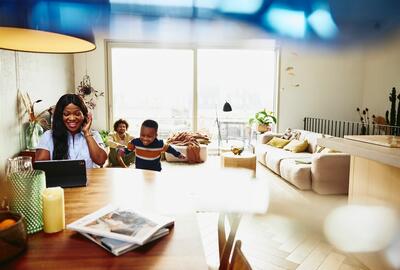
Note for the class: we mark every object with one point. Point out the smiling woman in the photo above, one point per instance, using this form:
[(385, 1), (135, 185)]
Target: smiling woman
[(71, 136)]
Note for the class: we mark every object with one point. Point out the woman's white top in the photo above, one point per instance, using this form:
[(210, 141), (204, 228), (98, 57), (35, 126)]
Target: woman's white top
[(77, 146)]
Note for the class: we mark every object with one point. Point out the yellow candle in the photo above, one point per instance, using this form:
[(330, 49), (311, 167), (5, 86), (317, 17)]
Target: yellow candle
[(53, 210)]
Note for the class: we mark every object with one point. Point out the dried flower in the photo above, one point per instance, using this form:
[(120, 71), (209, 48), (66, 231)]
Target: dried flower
[(43, 118)]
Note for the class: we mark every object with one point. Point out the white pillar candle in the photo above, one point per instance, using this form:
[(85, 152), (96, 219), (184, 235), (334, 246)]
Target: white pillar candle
[(53, 210)]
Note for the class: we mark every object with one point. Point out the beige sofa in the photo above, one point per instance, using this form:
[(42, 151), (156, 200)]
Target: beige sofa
[(328, 173)]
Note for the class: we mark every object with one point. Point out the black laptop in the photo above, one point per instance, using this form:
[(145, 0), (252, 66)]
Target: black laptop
[(63, 173)]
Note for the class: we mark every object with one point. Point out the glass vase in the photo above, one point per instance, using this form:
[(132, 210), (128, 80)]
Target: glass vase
[(33, 133), (26, 188)]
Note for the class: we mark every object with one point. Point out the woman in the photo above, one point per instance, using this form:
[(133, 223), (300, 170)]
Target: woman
[(71, 136)]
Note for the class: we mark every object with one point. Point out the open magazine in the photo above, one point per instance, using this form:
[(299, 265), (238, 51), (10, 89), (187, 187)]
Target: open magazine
[(118, 247), (121, 224)]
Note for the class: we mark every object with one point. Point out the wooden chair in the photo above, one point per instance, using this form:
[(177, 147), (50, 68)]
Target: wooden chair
[(238, 261)]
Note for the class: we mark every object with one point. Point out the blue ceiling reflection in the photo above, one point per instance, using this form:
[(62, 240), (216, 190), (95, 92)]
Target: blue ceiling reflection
[(321, 21)]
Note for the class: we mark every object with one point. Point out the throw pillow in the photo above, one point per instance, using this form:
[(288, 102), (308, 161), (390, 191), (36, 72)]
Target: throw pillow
[(278, 142), (328, 150), (295, 135), (319, 149), (296, 146), (287, 134)]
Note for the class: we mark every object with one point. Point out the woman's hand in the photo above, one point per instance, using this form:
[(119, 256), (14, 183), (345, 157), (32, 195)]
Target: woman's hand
[(86, 126)]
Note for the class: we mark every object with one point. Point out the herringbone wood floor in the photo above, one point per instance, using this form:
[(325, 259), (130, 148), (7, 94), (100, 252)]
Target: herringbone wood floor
[(288, 237)]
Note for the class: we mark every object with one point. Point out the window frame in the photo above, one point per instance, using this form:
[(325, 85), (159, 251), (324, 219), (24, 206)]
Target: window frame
[(256, 45)]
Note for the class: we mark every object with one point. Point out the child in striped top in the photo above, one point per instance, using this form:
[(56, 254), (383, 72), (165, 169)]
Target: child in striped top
[(148, 148)]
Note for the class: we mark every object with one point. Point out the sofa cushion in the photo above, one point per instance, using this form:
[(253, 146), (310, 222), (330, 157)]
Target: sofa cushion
[(328, 150), (261, 152), (296, 173), (287, 134), (296, 146), (278, 142), (330, 173), (275, 155), (311, 137)]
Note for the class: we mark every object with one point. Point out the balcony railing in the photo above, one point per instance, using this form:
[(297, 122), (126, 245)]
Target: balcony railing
[(341, 128)]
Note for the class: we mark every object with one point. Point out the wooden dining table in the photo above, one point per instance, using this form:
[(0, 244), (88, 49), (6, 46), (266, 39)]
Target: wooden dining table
[(176, 193), (138, 189)]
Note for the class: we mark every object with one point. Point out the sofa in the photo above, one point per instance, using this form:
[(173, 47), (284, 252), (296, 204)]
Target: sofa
[(325, 173)]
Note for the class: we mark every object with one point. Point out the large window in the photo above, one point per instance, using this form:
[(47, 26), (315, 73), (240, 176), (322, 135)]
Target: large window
[(186, 88), (153, 84)]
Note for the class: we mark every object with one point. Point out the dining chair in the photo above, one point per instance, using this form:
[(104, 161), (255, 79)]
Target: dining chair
[(225, 244), (238, 261)]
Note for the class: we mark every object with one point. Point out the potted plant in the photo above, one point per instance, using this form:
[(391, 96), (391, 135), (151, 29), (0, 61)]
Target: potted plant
[(263, 119)]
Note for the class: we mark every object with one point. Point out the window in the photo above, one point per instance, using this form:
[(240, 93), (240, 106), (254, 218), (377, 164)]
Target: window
[(186, 88), (153, 84)]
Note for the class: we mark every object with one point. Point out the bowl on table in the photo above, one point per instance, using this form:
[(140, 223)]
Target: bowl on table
[(237, 150), (13, 236)]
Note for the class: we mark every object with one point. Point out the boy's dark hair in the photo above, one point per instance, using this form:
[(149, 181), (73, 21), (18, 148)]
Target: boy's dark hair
[(120, 121), (150, 124)]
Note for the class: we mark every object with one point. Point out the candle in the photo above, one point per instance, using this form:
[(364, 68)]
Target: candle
[(53, 210)]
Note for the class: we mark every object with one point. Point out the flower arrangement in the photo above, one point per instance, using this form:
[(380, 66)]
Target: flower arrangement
[(43, 118), (37, 123), (364, 115), (88, 93)]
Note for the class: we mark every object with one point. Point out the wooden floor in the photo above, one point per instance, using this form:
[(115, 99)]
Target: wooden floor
[(288, 237)]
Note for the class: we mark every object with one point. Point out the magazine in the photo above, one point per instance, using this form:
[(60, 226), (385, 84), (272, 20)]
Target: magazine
[(121, 224), (118, 247)]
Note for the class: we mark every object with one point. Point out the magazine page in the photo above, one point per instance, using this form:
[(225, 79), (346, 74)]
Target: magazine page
[(121, 224), (118, 247)]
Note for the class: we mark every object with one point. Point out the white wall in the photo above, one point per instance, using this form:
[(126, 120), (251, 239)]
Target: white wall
[(43, 76), (382, 72), (324, 83), (327, 83), (94, 63)]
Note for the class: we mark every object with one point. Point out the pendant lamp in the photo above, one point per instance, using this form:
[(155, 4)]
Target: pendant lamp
[(46, 26)]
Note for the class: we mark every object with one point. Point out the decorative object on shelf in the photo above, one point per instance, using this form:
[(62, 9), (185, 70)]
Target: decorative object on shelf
[(364, 118), (34, 128), (88, 93), (263, 119), (393, 118), (237, 150)]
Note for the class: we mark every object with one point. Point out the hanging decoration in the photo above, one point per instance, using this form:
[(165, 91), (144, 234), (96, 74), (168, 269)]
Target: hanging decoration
[(88, 93)]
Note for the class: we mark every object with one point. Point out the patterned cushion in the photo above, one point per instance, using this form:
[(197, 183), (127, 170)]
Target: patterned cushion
[(287, 134)]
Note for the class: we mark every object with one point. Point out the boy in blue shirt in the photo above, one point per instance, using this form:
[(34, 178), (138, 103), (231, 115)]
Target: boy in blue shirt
[(148, 148)]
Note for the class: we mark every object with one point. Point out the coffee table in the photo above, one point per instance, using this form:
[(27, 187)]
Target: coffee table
[(244, 160)]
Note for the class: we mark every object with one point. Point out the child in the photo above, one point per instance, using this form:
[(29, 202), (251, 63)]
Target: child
[(148, 148)]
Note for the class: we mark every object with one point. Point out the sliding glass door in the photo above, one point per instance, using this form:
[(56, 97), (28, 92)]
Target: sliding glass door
[(153, 84), (186, 88)]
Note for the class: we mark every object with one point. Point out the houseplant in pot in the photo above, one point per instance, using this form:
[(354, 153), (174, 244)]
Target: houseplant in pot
[(263, 119)]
